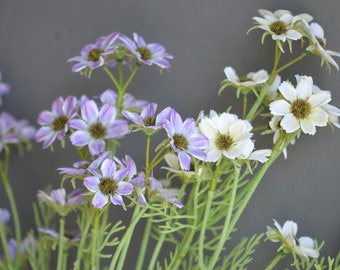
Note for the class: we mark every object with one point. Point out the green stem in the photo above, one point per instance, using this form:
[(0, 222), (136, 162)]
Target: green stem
[(5, 244), (156, 251), (132, 75), (123, 246), (61, 243), (274, 262), (112, 77), (292, 62), (94, 239), (144, 244), (227, 229)]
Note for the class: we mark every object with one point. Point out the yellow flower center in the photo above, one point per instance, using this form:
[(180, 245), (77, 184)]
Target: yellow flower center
[(180, 142), (244, 79), (224, 142), (145, 53), (94, 55), (97, 130), (59, 123), (278, 28), (108, 186), (301, 109), (149, 121)]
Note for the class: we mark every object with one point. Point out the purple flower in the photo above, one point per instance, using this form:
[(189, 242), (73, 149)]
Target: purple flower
[(55, 123), (130, 103), (12, 246), (147, 117), (92, 56), (159, 192), (72, 236), (184, 139), (96, 126), (7, 134), (108, 185), (60, 202), (82, 167), (149, 54), (4, 88), (4, 215), (25, 131)]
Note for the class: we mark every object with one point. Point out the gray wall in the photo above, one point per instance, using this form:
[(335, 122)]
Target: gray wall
[(38, 36)]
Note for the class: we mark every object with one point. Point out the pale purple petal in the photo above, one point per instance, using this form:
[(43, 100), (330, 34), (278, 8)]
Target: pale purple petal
[(91, 183), (108, 168), (90, 112), (96, 147), (80, 138), (99, 200), (124, 188), (184, 160), (117, 199)]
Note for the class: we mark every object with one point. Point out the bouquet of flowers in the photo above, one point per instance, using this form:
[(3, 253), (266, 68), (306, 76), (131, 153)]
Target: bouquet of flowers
[(186, 215)]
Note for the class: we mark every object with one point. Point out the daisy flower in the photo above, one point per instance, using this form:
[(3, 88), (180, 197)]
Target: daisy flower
[(108, 185), (149, 54), (280, 25), (92, 56), (316, 36), (96, 126), (301, 108), (303, 246), (55, 123), (185, 141), (228, 136)]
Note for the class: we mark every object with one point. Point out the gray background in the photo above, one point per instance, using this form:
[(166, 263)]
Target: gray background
[(37, 37)]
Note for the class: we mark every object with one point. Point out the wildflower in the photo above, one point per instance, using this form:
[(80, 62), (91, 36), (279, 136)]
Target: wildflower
[(92, 56), (147, 118), (317, 40), (4, 215), (108, 185), (184, 139), (82, 167), (174, 166), (97, 125), (149, 54), (55, 123), (303, 246), (250, 80), (72, 236), (61, 203), (228, 136), (301, 108), (280, 25), (12, 246), (7, 134)]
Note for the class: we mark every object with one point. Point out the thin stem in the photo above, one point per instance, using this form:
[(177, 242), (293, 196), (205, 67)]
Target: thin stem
[(292, 62), (5, 244), (94, 239), (61, 243), (274, 262), (227, 229), (144, 244), (132, 75), (120, 72), (156, 251), (112, 77)]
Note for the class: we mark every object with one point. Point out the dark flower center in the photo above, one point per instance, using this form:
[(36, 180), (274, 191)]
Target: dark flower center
[(97, 130), (224, 142), (68, 235), (145, 53), (84, 166), (59, 123), (301, 108), (244, 79), (180, 142), (149, 121), (94, 55), (108, 186), (278, 27)]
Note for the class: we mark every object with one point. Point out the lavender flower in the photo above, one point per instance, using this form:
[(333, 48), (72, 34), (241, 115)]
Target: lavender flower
[(92, 56), (149, 54), (12, 246), (108, 185), (184, 139), (4, 215), (55, 123), (72, 236), (96, 126), (7, 135), (4, 88)]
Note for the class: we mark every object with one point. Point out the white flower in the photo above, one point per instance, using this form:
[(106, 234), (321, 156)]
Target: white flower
[(228, 136), (252, 78), (301, 108), (280, 25), (317, 46), (303, 246)]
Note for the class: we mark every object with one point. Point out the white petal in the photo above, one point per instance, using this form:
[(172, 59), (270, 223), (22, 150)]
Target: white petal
[(231, 74), (288, 91), (289, 228), (289, 123), (279, 107), (307, 126), (304, 88), (319, 117)]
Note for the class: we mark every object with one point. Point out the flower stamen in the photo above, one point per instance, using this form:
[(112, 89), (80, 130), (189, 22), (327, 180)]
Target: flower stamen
[(108, 186), (94, 55), (301, 108), (145, 53), (224, 142), (97, 130), (59, 123), (180, 142), (278, 28)]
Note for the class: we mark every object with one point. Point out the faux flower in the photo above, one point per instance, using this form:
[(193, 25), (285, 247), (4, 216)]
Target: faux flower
[(148, 119), (228, 136), (250, 80), (61, 202), (149, 54), (55, 123), (317, 46), (96, 126), (108, 185), (185, 140), (280, 25), (92, 56), (174, 166), (303, 246), (4, 215), (301, 108)]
